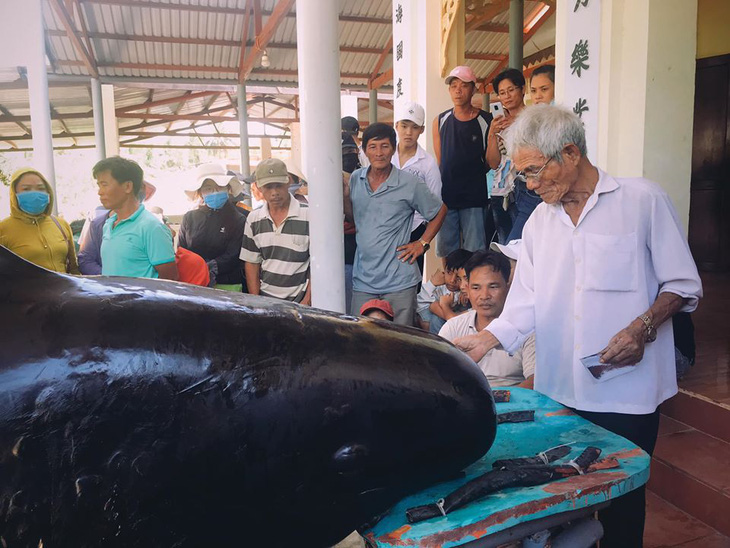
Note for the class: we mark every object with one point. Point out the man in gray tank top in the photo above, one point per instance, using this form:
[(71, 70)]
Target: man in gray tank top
[(460, 145)]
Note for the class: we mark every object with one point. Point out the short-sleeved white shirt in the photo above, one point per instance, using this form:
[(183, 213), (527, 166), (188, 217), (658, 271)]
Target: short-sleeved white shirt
[(500, 368)]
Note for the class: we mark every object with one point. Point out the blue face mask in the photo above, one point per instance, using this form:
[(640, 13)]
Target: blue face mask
[(216, 200), (33, 202)]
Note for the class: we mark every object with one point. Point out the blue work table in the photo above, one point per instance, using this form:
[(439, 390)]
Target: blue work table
[(500, 512)]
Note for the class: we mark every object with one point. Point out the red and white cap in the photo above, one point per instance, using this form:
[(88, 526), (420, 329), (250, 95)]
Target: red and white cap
[(463, 73)]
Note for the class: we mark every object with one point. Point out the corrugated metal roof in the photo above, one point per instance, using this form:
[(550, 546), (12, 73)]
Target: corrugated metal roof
[(162, 39)]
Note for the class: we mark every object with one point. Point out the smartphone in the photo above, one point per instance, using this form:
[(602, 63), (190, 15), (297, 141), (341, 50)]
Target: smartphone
[(496, 109)]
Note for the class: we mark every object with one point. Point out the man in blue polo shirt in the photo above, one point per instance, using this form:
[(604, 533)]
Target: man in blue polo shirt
[(134, 243), (381, 200)]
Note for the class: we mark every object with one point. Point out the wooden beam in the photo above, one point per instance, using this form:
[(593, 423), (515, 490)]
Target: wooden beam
[(539, 23), (201, 117), (538, 56), (21, 125), (244, 41), (63, 124), (224, 11), (84, 30), (257, 19), (486, 15), (383, 55), (381, 80), (187, 96), (264, 37), (86, 57), (26, 118), (528, 71), (203, 42)]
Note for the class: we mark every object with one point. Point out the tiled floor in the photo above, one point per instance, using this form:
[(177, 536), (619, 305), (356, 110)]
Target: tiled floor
[(710, 376), (667, 526)]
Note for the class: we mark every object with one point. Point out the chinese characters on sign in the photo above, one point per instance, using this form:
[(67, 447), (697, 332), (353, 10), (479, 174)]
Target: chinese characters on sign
[(582, 23), (402, 48), (580, 107), (579, 57)]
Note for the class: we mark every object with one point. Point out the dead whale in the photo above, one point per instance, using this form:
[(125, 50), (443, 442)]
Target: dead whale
[(149, 413)]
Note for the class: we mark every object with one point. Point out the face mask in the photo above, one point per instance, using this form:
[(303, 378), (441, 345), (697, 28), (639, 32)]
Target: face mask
[(216, 200), (33, 202)]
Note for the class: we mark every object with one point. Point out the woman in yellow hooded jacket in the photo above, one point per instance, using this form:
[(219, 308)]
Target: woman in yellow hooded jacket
[(31, 231)]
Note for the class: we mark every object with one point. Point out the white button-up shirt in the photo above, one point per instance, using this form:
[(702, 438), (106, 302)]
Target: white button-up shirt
[(577, 286), (423, 166), (500, 368)]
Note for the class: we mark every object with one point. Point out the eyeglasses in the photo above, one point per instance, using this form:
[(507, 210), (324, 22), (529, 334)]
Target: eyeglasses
[(529, 175), (508, 91)]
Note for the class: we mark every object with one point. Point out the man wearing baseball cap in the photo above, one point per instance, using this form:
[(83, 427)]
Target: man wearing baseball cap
[(410, 156), (276, 239), (460, 145), (351, 126)]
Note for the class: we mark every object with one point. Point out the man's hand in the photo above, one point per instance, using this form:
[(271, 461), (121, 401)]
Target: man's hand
[(499, 124), (438, 278), (627, 346), (447, 301), (476, 346), (410, 252)]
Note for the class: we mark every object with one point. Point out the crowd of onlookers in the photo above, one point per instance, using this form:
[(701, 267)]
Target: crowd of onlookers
[(554, 274), (398, 199)]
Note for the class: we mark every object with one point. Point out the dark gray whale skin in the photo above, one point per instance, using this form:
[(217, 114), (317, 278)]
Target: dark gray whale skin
[(138, 413)]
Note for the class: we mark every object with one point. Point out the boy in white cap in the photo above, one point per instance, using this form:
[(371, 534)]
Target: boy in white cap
[(412, 157)]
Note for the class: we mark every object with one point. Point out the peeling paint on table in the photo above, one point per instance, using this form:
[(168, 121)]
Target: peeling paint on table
[(554, 425)]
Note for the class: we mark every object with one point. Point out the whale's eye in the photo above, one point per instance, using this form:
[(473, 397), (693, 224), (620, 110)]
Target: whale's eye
[(351, 457)]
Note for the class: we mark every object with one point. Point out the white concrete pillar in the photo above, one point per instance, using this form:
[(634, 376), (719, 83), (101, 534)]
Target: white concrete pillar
[(318, 55), (295, 130), (99, 135), (419, 70), (111, 130), (40, 106), (646, 83), (243, 130)]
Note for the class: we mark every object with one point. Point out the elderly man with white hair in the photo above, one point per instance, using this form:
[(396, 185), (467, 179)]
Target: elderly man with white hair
[(603, 266)]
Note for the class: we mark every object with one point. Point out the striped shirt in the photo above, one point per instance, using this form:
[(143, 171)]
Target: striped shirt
[(282, 251)]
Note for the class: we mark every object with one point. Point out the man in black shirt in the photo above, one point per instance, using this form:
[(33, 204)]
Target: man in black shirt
[(460, 145)]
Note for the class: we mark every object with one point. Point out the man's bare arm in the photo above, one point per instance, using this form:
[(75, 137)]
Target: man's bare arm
[(253, 277), (168, 271)]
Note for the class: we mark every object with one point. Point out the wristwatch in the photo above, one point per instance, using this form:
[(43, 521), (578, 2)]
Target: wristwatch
[(650, 329), (425, 244)]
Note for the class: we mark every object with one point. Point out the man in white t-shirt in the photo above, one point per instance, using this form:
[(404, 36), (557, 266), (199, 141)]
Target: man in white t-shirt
[(412, 157), (487, 273)]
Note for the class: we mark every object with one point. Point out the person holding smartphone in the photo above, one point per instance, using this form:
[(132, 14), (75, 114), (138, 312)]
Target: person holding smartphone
[(507, 190)]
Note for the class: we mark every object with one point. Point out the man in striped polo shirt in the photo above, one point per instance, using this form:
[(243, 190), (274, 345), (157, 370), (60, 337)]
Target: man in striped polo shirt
[(276, 239)]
